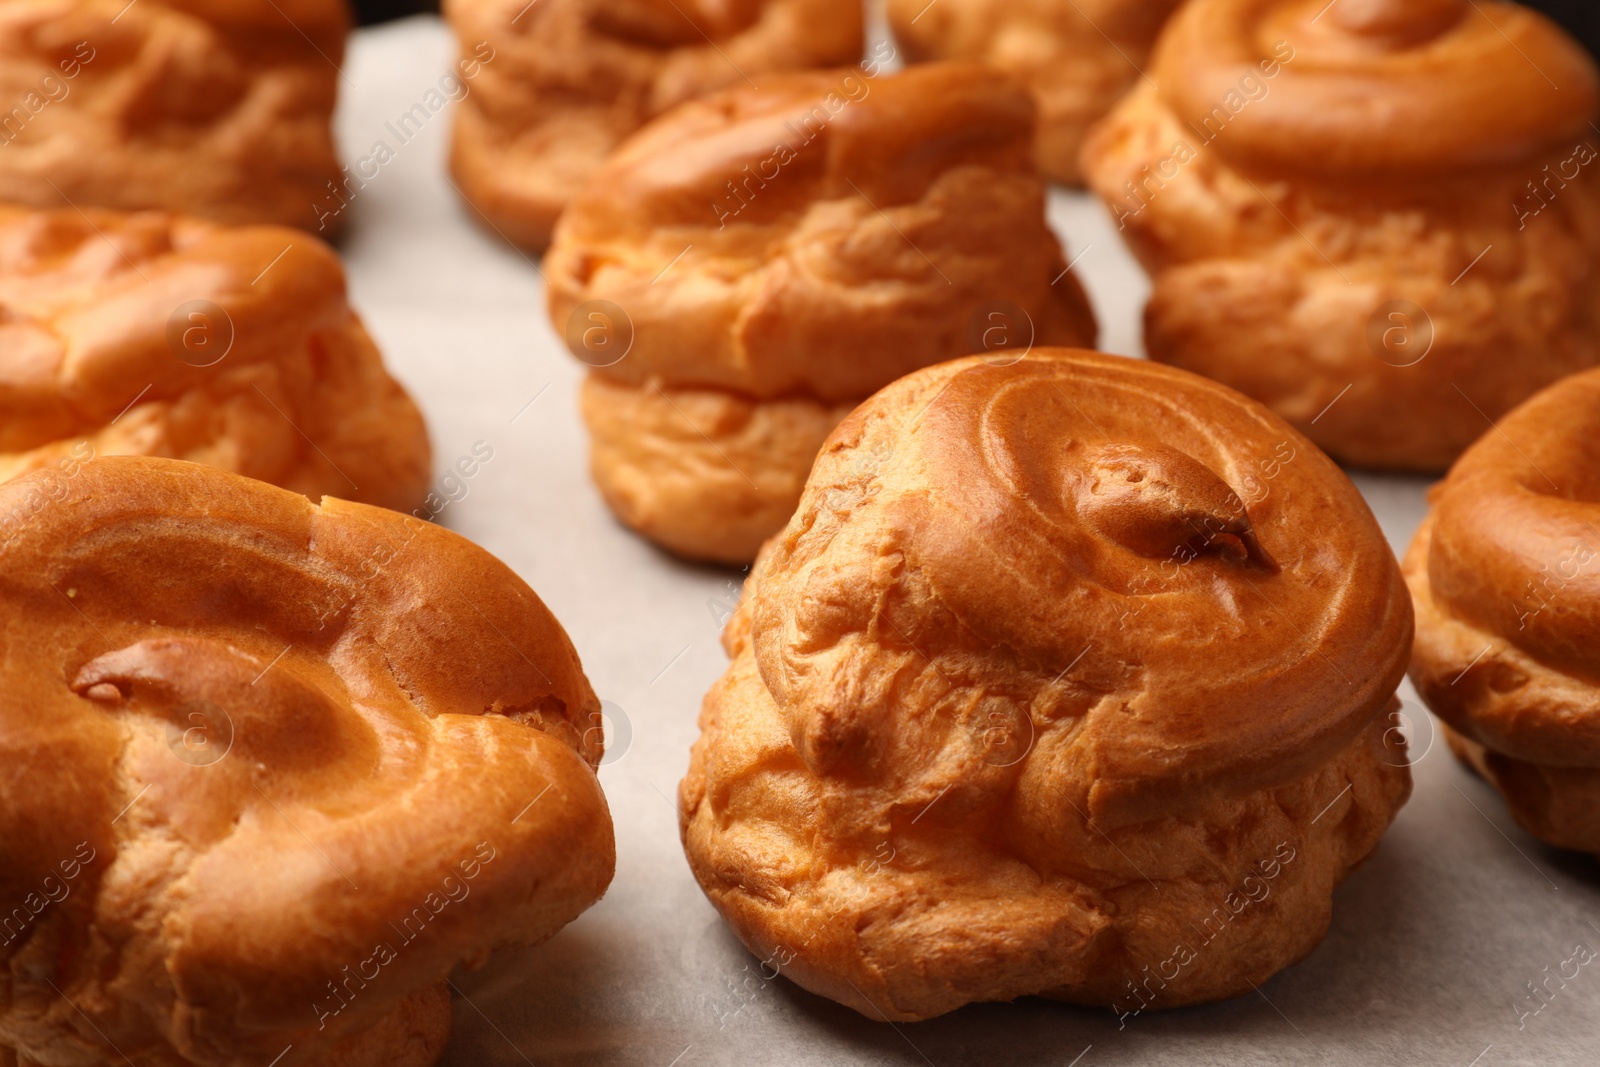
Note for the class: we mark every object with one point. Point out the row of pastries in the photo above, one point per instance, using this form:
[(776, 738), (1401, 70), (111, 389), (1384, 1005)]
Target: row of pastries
[(1052, 666)]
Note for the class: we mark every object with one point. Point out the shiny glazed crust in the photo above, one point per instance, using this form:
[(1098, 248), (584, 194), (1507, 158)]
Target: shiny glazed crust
[(1025, 698), (904, 212), (156, 334), (218, 108), (570, 80), (273, 770), (1503, 574), (1424, 274)]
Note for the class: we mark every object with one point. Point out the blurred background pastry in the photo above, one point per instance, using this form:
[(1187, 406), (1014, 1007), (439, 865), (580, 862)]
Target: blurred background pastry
[(1388, 278), (571, 79), (1505, 575), (1579, 17), (237, 731), (218, 108), (749, 267), (157, 334), (1068, 677), (1079, 58)]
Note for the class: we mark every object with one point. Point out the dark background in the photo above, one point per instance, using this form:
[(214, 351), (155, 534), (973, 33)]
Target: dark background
[(1582, 17), (379, 10)]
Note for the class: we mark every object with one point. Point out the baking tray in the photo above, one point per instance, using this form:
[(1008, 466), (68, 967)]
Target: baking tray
[(1434, 940)]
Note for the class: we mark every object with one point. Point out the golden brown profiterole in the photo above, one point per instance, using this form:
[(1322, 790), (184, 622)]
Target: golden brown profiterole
[(1068, 678), (1078, 56), (570, 80), (252, 799), (1503, 573), (216, 108), (1378, 217), (748, 268), (149, 333)]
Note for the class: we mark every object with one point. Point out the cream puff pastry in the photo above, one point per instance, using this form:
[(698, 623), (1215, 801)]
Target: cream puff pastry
[(1068, 677), (252, 801), (1379, 217), (749, 267), (1505, 575)]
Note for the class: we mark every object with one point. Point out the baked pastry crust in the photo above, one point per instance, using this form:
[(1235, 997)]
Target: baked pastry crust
[(156, 334), (1502, 574), (1079, 58), (1386, 281), (242, 752), (572, 79), (705, 473), (217, 108), (1059, 671), (872, 244)]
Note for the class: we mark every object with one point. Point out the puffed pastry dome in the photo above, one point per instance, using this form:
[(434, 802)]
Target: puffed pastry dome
[(1068, 678), (1078, 56), (1378, 217), (272, 771), (570, 80), (748, 268), (218, 108), (1505, 576), (157, 334)]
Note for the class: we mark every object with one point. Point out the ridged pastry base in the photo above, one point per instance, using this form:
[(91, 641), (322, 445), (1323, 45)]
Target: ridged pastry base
[(1558, 805), (706, 473), (1077, 66), (931, 915), (1289, 308), (414, 1034), (1492, 696), (519, 186), (326, 422)]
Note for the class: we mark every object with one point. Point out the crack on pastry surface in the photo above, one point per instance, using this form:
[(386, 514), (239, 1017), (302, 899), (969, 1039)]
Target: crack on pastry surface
[(1154, 500), (957, 758), (1503, 573), (253, 800), (867, 244), (1284, 218), (100, 358)]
